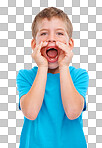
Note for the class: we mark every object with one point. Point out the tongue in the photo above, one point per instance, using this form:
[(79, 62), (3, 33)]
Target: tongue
[(52, 53)]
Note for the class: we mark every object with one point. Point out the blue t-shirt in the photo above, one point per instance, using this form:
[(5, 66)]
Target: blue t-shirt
[(52, 128)]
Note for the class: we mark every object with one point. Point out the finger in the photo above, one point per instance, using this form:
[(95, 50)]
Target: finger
[(43, 44), (38, 47), (63, 46)]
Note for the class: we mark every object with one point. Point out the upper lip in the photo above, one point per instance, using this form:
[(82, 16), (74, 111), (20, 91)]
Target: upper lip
[(51, 47)]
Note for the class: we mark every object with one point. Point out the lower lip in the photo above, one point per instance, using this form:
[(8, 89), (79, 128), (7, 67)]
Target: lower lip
[(52, 60)]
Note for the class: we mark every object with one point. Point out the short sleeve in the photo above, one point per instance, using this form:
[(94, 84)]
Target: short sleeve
[(23, 85), (81, 83)]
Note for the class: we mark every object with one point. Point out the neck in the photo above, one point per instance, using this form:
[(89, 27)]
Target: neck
[(54, 71)]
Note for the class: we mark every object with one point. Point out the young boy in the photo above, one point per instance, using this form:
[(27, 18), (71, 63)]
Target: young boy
[(52, 96)]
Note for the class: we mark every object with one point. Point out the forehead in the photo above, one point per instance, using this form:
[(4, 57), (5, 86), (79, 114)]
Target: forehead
[(52, 23)]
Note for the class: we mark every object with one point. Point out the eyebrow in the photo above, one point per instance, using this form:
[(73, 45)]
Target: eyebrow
[(56, 29), (42, 29)]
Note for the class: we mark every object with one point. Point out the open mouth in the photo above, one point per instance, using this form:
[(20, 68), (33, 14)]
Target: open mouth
[(52, 54)]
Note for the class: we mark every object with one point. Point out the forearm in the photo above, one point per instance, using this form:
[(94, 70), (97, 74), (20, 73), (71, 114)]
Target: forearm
[(71, 99), (34, 98)]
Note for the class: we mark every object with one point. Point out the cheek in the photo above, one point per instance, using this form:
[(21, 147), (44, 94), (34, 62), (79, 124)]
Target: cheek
[(39, 39), (42, 39), (38, 42), (64, 40)]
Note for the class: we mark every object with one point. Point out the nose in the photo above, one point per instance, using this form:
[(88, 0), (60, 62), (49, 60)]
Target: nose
[(51, 38)]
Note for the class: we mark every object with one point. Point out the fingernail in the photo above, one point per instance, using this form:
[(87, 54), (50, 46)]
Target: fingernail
[(45, 43)]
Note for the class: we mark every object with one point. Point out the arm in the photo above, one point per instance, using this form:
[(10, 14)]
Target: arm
[(32, 101), (73, 102)]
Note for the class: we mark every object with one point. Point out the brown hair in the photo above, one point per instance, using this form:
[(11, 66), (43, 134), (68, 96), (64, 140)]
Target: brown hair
[(49, 13)]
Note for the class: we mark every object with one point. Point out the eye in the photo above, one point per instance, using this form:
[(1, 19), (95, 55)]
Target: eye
[(59, 33), (44, 33)]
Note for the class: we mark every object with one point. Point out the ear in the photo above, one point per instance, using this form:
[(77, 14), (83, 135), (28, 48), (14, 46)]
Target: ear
[(71, 43), (33, 43)]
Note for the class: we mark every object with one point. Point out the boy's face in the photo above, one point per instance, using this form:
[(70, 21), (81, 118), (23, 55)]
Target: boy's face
[(51, 31)]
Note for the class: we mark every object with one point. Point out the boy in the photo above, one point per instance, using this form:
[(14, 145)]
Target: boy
[(52, 96)]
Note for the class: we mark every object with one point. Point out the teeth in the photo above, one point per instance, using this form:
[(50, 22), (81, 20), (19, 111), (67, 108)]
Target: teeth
[(50, 48), (53, 58)]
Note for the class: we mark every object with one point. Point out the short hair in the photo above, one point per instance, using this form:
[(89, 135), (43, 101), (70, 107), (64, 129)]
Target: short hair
[(49, 13)]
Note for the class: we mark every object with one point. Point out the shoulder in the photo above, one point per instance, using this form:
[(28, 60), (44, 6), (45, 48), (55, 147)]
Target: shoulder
[(78, 73), (77, 70), (27, 74)]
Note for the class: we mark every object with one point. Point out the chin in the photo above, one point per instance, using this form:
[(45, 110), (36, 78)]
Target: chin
[(53, 65)]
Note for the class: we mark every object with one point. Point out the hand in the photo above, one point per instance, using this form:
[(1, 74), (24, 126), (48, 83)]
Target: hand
[(65, 55), (40, 60)]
